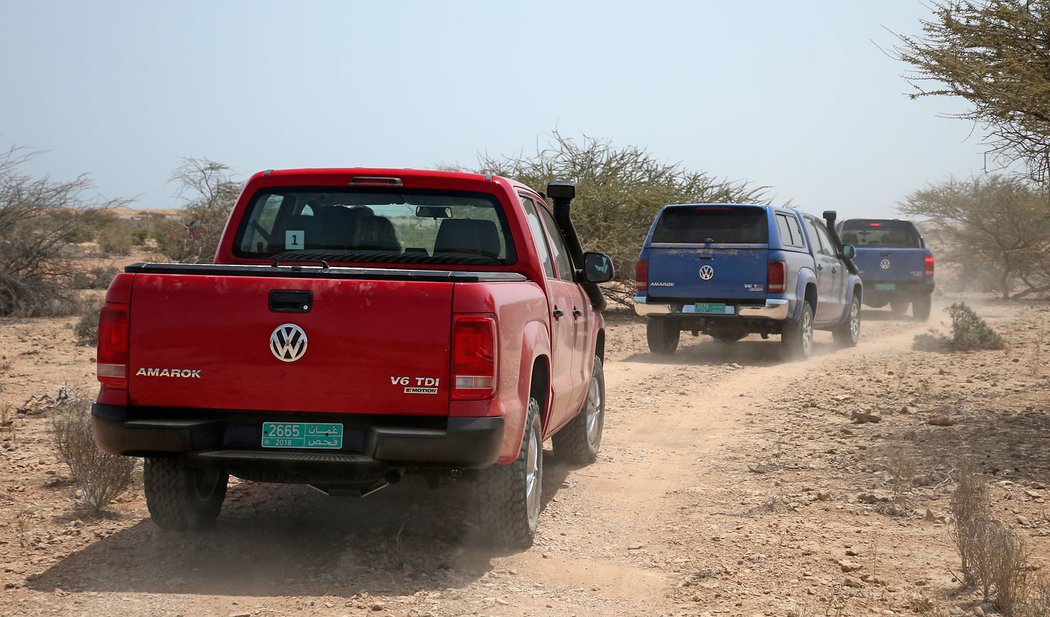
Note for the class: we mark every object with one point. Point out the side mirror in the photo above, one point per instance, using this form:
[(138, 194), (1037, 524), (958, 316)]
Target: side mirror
[(597, 268), (849, 251)]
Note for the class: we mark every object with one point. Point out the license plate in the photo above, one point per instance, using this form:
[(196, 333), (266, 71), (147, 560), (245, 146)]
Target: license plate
[(716, 308), (309, 435), (885, 286)]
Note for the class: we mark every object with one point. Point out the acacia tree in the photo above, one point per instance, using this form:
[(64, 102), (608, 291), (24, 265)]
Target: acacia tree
[(994, 223), (209, 191), (39, 221), (618, 192), (996, 55)]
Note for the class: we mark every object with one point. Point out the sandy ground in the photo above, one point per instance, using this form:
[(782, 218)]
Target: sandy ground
[(729, 483)]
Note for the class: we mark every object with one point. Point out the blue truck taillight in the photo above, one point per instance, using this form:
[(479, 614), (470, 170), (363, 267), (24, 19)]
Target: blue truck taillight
[(641, 275), (928, 267), (776, 279)]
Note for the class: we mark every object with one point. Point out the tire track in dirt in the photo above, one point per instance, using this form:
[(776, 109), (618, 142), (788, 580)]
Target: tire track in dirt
[(666, 418)]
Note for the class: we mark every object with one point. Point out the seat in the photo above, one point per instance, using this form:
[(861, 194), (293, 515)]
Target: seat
[(338, 227), (468, 236), (375, 233)]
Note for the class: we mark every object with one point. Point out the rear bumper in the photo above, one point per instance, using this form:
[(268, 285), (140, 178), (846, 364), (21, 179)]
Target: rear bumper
[(773, 309), (232, 438)]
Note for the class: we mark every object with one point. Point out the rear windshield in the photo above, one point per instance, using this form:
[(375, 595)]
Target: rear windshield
[(880, 234), (712, 224), (375, 225)]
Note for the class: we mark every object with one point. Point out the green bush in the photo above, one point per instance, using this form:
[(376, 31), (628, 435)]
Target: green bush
[(86, 329), (969, 332)]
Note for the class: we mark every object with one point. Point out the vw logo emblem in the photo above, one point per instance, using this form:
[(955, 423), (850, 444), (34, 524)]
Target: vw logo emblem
[(885, 264), (288, 342), (707, 273)]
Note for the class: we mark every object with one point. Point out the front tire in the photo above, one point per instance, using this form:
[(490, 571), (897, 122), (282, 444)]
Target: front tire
[(180, 497), (847, 334), (578, 442), (509, 495), (662, 335), (797, 339)]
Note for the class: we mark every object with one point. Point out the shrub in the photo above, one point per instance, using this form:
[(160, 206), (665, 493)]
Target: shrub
[(98, 277), (970, 331), (86, 329), (39, 219), (102, 477), (993, 556)]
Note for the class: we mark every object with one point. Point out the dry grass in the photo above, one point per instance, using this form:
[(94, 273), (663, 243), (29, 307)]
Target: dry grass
[(993, 556), (102, 477)]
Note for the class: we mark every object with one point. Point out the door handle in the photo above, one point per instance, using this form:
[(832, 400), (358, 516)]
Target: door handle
[(558, 313), (577, 313)]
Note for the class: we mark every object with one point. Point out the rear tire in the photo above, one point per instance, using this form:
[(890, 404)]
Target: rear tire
[(180, 497), (797, 339), (509, 495), (663, 335), (847, 334), (578, 442), (921, 305)]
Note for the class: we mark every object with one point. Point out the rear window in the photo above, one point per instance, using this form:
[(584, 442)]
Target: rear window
[(375, 225), (880, 234), (712, 224)]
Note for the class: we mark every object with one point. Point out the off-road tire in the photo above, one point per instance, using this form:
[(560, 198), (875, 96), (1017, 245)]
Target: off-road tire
[(509, 496), (663, 335), (796, 341), (921, 305), (899, 306), (847, 334), (180, 497), (577, 443)]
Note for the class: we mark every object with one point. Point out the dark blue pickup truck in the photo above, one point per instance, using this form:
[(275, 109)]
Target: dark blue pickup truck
[(729, 270), (894, 262)]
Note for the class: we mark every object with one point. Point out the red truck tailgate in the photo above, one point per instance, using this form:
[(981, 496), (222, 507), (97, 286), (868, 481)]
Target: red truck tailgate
[(372, 346)]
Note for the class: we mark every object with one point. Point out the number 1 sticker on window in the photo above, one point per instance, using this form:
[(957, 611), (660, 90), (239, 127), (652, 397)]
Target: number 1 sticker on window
[(294, 239)]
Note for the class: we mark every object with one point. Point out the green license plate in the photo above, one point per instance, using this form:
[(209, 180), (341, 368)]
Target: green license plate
[(718, 308), (310, 435), (885, 286)]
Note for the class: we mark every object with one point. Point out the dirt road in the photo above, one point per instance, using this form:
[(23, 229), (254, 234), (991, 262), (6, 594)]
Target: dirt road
[(729, 483)]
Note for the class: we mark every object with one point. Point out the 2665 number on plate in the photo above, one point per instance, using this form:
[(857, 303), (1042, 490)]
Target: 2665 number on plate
[(311, 435)]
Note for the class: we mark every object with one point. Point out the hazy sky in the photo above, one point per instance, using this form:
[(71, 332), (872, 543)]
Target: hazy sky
[(794, 95)]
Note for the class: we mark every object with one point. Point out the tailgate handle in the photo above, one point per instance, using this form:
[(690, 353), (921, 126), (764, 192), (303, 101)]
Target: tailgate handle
[(291, 301)]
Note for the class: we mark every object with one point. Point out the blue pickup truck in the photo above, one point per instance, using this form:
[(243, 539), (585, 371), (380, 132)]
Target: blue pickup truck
[(894, 262), (729, 270)]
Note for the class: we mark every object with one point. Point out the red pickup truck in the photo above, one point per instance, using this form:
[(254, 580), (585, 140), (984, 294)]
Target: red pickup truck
[(358, 324)]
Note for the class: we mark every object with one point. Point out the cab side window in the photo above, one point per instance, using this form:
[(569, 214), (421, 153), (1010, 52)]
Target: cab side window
[(561, 252), (821, 241), (538, 237)]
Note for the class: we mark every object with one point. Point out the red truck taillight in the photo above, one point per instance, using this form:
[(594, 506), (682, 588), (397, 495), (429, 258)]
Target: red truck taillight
[(641, 275), (775, 277), (928, 266), (473, 357), (113, 346)]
